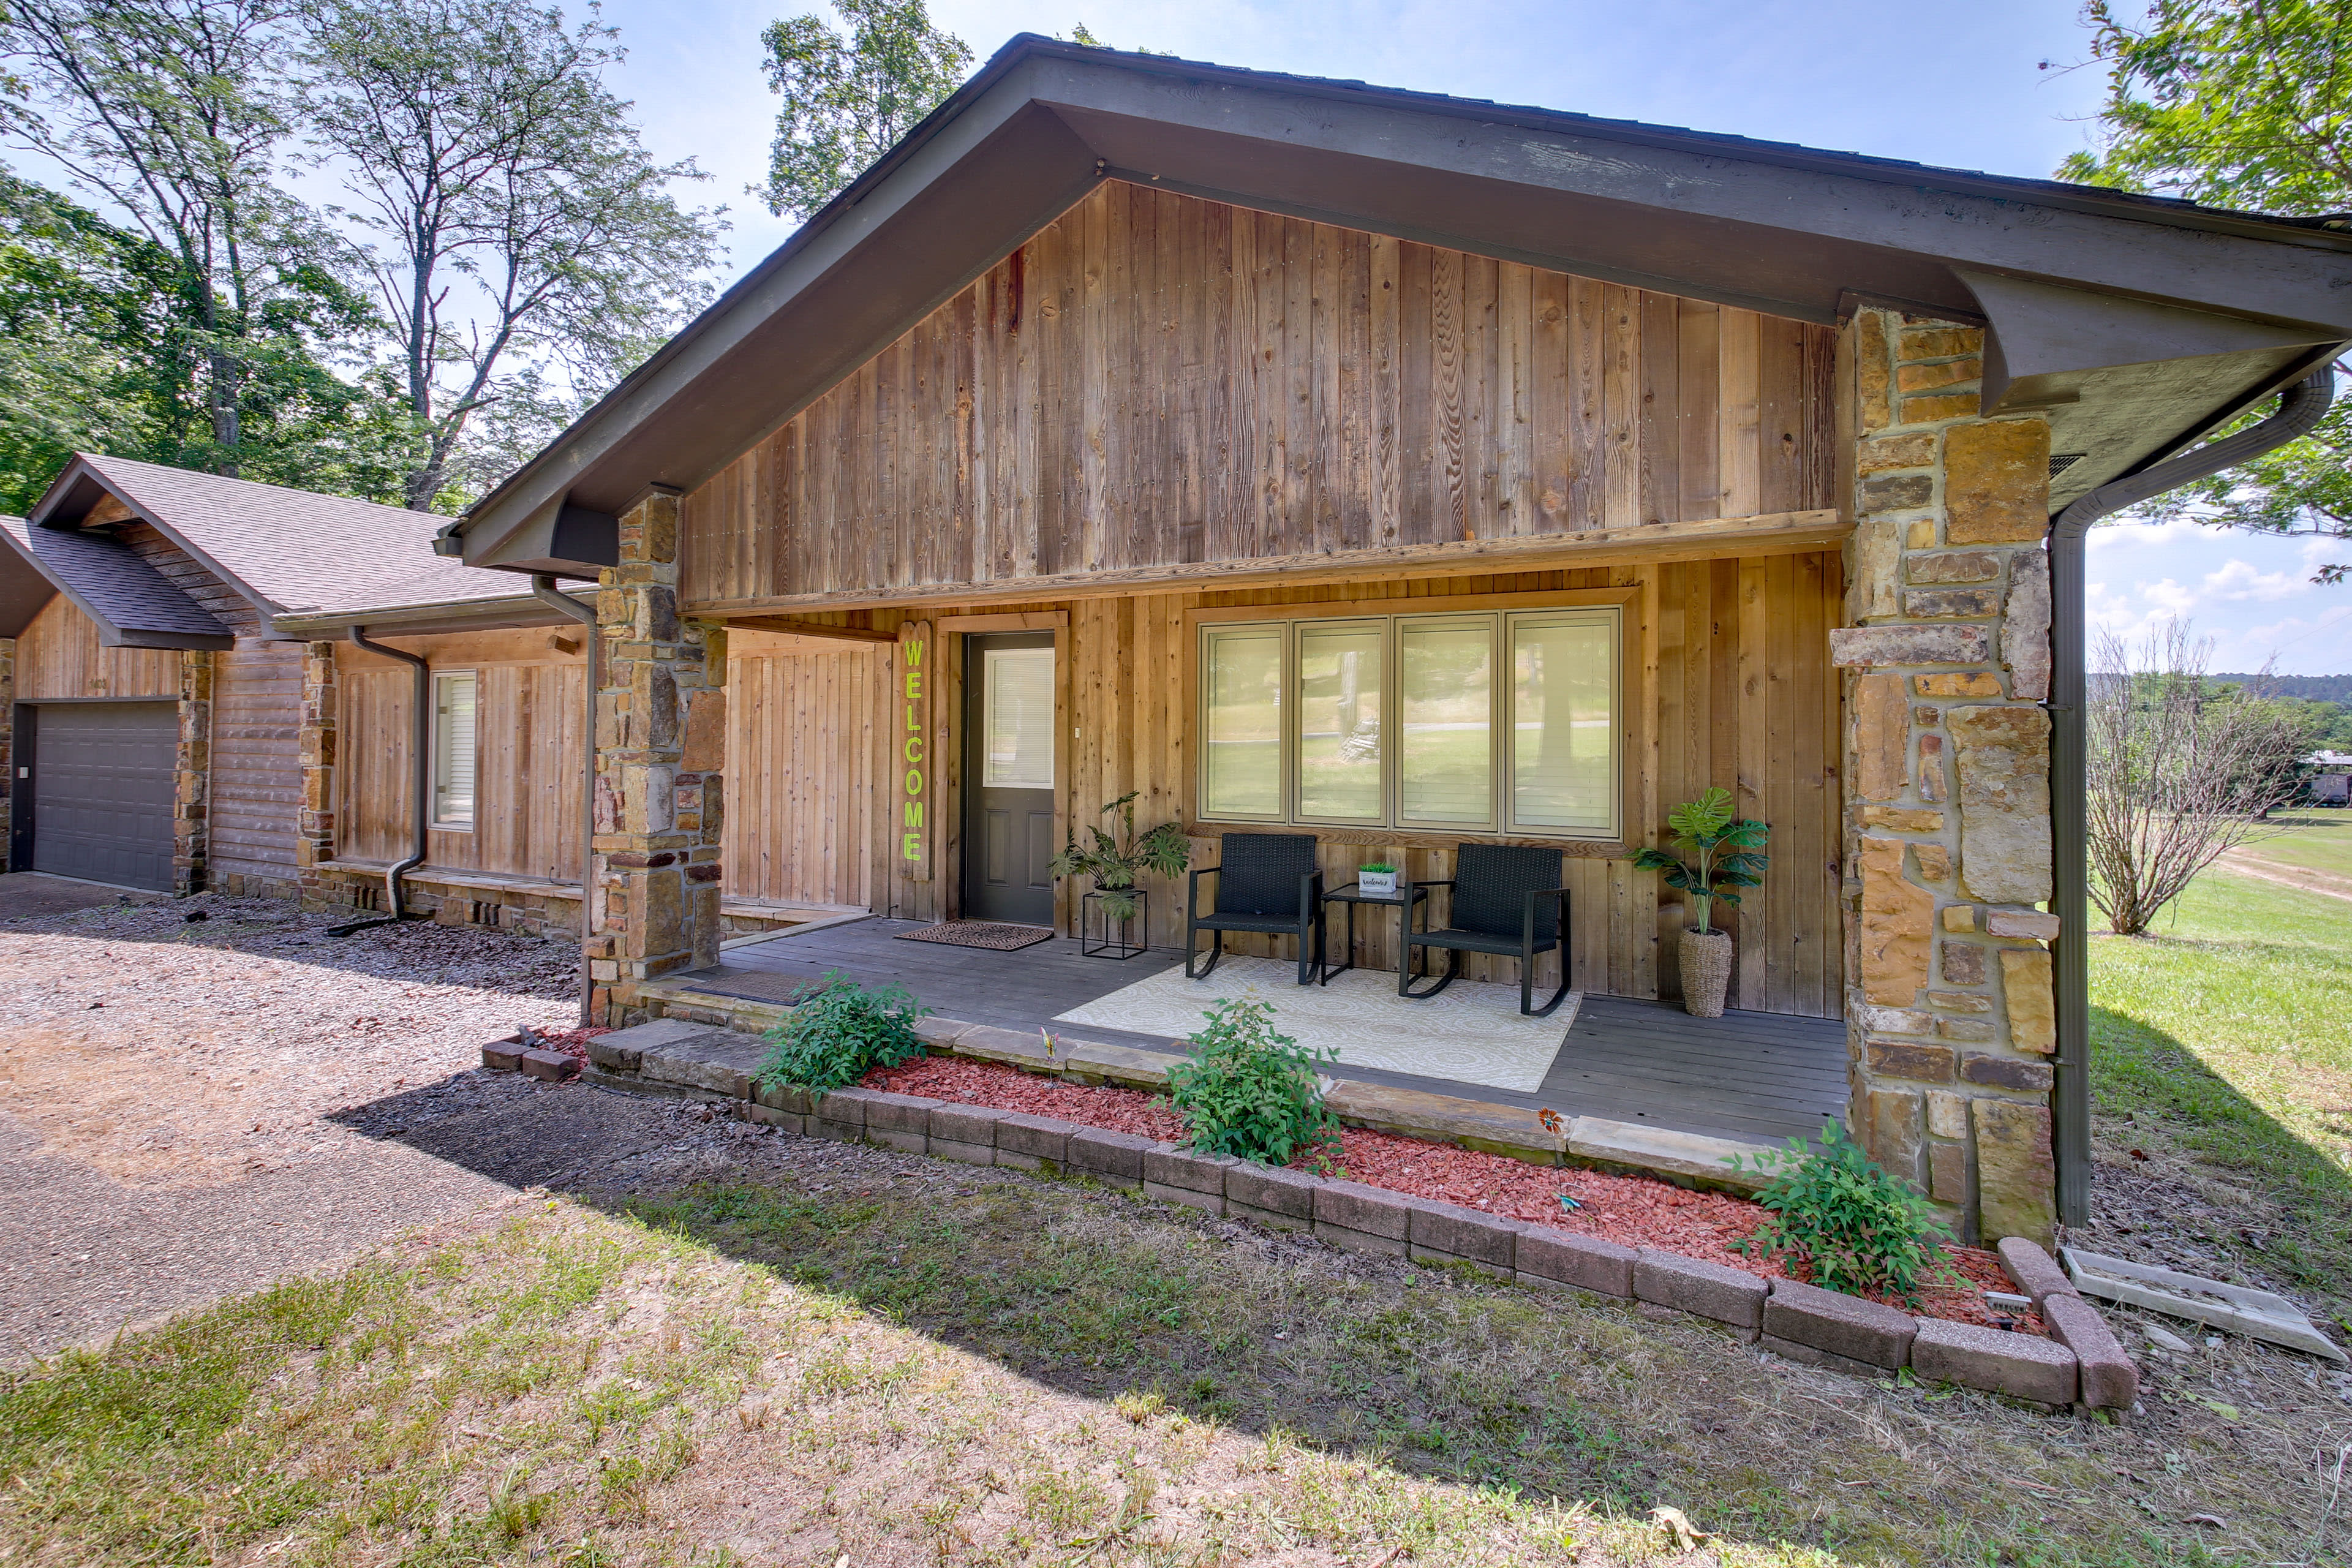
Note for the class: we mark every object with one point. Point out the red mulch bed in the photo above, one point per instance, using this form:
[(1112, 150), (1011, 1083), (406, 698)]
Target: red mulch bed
[(573, 1043), (1634, 1210)]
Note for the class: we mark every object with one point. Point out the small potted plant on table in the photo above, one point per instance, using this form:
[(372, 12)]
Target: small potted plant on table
[(1377, 881), (1723, 846)]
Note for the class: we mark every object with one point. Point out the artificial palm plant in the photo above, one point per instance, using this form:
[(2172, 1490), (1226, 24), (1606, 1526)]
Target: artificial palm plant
[(1114, 863), (1722, 847)]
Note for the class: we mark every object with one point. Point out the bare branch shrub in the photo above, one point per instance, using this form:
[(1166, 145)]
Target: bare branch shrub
[(2181, 771)]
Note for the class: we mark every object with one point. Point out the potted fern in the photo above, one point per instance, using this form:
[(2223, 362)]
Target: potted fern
[(1722, 846), (1114, 864)]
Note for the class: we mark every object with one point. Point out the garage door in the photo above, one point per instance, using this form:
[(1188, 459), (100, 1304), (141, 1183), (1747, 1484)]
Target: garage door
[(102, 775)]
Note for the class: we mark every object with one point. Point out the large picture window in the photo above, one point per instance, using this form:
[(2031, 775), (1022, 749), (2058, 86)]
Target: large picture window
[(453, 750), (1493, 721)]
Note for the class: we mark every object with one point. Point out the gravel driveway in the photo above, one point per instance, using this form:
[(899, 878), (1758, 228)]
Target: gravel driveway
[(193, 1108)]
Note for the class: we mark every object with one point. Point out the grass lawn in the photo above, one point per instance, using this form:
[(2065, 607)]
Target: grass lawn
[(2315, 839), (2222, 1051)]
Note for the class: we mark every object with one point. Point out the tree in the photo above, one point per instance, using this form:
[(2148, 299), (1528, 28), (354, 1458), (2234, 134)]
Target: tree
[(846, 101), (511, 218), (2181, 771), (162, 109), (2245, 104)]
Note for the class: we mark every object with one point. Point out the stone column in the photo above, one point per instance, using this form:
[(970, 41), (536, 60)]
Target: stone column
[(660, 742), (314, 840), (1951, 1021), (192, 795)]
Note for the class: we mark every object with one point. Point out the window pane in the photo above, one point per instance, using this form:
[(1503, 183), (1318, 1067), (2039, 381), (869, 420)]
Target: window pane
[(453, 750), (1339, 719), (1446, 683), (1019, 720), (1241, 684), (1563, 734)]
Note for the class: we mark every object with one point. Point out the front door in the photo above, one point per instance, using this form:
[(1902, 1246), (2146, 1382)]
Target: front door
[(1008, 772)]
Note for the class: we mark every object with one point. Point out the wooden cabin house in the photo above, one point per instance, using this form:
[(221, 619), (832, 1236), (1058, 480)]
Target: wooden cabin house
[(1297, 456)]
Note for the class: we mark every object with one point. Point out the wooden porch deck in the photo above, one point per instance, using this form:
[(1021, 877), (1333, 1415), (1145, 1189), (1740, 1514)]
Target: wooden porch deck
[(1752, 1076)]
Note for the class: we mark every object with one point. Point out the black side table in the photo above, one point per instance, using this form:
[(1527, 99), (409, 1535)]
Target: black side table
[(1351, 895)]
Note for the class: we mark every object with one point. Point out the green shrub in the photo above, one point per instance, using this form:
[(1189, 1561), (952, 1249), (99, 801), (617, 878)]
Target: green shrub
[(1252, 1093), (1860, 1230), (839, 1032)]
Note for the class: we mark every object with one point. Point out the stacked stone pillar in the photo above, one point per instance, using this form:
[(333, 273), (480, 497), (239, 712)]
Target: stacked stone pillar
[(314, 840), (653, 907), (1951, 1020), (193, 765)]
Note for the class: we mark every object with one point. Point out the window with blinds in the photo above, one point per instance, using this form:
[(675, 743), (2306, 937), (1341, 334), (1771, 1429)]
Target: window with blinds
[(454, 730), (1491, 722)]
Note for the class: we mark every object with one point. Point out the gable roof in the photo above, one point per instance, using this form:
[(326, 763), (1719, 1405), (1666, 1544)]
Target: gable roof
[(285, 550), (132, 603), (2138, 322)]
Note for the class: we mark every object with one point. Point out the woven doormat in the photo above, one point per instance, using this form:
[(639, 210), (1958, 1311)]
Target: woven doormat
[(979, 933)]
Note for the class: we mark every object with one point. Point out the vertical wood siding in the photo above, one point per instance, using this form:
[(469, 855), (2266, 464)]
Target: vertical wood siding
[(1155, 379), (527, 756), (58, 656), (1728, 683)]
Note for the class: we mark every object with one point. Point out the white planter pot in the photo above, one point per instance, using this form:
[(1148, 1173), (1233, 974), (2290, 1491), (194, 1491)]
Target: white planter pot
[(1377, 884)]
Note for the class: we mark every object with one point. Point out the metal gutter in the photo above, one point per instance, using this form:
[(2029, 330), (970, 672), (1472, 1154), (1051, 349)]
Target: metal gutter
[(420, 747), (544, 589), (2300, 409), (504, 612)]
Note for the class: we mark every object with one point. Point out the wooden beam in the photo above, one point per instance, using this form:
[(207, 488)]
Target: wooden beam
[(791, 627), (1771, 533)]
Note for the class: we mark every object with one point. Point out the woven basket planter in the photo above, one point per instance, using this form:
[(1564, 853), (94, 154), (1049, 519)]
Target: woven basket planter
[(1706, 971)]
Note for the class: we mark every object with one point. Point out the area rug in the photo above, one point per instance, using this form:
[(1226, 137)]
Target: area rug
[(990, 934), (1471, 1033)]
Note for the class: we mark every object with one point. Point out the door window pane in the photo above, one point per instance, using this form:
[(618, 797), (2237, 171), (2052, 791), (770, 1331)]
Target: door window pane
[(453, 750), (1563, 725), (1241, 701), (1018, 717), (1445, 740), (1340, 685)]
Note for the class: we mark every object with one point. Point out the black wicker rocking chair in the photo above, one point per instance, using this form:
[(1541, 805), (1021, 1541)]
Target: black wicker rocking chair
[(1266, 882), (1500, 893)]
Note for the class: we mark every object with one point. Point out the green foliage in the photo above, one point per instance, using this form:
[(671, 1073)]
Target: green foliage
[(2245, 104), (1114, 863), (1860, 1230), (846, 101), (1250, 1092), (1723, 846), (1378, 868), (839, 1032)]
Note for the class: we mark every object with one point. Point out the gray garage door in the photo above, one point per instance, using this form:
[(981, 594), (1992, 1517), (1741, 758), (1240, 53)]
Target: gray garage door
[(102, 775)]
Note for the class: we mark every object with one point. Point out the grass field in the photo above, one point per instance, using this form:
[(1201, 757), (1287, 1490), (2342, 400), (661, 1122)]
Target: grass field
[(2222, 1049), (2313, 839)]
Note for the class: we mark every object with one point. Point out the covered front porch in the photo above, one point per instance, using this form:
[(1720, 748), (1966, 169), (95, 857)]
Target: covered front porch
[(1747, 1077)]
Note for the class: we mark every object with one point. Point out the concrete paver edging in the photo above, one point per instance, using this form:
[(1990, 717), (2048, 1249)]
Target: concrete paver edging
[(1821, 1328)]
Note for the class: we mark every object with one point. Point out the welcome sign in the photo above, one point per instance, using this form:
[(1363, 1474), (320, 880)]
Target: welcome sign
[(911, 745)]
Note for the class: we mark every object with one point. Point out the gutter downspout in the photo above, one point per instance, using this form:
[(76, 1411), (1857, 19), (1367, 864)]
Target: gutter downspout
[(420, 749), (544, 589), (2301, 407)]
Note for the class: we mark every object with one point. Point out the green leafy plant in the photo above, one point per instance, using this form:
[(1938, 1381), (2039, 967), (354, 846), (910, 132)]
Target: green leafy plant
[(839, 1032), (1114, 863), (1858, 1228), (1250, 1092), (1722, 846), (1378, 868)]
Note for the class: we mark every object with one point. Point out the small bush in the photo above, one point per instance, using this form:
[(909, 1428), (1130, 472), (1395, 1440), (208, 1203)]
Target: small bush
[(1858, 1228), (839, 1032), (1252, 1093)]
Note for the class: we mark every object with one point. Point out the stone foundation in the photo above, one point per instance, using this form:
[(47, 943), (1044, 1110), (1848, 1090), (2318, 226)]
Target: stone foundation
[(1951, 1017), (192, 794)]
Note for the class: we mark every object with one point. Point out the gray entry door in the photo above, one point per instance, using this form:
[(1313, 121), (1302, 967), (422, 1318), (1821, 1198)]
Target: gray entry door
[(102, 781), (1008, 778)]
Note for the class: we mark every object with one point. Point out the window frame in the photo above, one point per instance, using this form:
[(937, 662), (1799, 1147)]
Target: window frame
[(1502, 614), (433, 772)]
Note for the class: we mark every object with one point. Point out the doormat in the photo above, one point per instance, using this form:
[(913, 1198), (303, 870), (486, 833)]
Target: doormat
[(990, 934)]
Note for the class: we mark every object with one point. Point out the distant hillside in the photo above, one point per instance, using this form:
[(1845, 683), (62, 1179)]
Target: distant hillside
[(2310, 688)]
